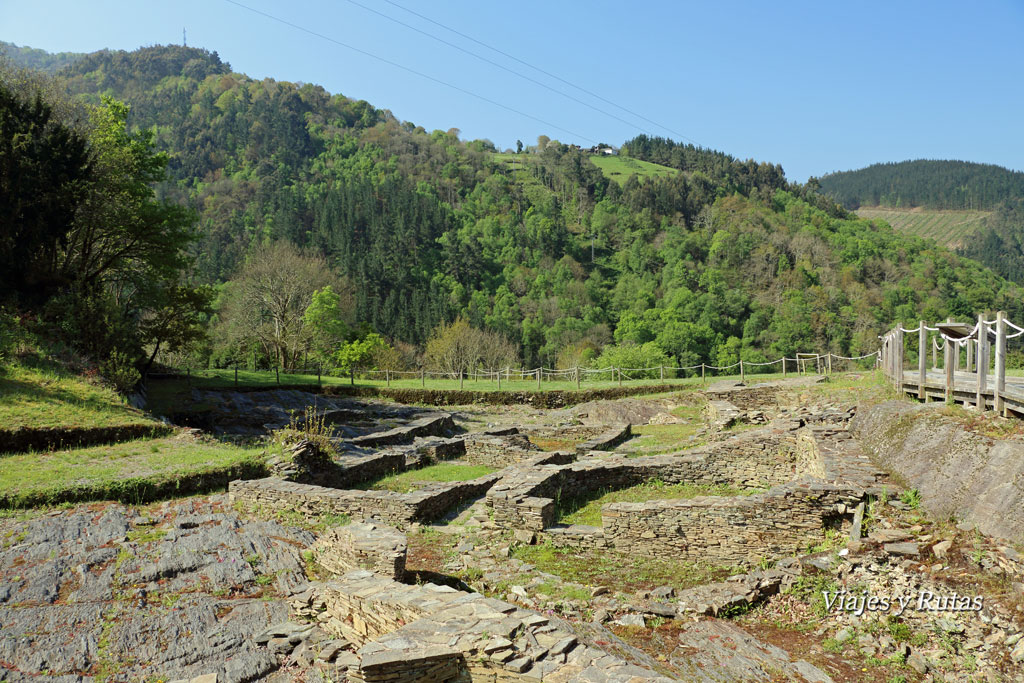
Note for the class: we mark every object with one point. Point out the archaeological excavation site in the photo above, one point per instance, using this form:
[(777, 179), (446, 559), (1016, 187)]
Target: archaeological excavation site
[(804, 529)]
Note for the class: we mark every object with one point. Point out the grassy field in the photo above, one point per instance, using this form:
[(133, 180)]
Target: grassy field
[(949, 228), (619, 168), (265, 379), (115, 471), (588, 510), (37, 397), (411, 480)]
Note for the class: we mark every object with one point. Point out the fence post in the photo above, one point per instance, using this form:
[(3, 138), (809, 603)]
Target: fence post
[(498, 373), (538, 379), (662, 373), (620, 376), (935, 355), (702, 381), (899, 357), (743, 375), (1000, 369), (577, 378), (947, 363), (423, 378), (462, 378), (828, 363), (971, 362), (922, 360), (387, 377), (982, 361), (783, 365)]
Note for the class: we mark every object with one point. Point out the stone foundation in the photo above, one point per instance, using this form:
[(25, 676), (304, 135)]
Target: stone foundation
[(437, 425), (404, 631), (755, 459), (606, 440), (267, 497), (360, 545)]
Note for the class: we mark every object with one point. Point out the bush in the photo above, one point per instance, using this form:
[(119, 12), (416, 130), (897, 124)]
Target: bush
[(628, 356), (10, 338), (120, 370)]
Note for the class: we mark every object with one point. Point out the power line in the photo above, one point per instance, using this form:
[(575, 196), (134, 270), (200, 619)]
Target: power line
[(537, 68), (500, 66), (405, 68)]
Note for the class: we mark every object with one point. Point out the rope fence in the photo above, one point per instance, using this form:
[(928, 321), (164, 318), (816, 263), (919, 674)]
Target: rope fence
[(802, 363)]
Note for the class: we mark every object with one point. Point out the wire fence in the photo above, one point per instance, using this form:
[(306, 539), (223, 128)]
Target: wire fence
[(801, 364)]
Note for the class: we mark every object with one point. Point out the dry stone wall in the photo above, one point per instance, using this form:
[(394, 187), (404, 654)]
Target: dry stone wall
[(362, 545), (729, 530), (270, 496), (435, 425), (754, 459)]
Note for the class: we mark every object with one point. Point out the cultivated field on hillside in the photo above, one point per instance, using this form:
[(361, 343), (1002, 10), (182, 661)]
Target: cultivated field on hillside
[(948, 228)]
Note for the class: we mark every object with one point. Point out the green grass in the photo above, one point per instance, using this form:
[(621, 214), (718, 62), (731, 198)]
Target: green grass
[(949, 228), (619, 168), (446, 471), (37, 397), (616, 570), (587, 510), (114, 471)]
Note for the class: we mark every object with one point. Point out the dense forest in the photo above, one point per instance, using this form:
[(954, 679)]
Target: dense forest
[(926, 183), (405, 230)]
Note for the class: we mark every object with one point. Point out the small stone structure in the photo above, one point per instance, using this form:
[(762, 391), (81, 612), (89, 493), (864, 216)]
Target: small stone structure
[(362, 545), (498, 451), (525, 498), (435, 425), (606, 440), (406, 634), (272, 495)]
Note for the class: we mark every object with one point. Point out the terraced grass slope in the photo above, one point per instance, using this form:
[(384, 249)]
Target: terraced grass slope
[(949, 228)]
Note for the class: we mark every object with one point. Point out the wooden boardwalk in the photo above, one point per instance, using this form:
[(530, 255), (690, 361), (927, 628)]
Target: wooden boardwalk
[(982, 383), (965, 389)]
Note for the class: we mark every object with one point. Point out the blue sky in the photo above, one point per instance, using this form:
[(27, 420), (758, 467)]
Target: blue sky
[(814, 86)]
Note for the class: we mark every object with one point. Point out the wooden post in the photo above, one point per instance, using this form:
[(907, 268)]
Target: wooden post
[(577, 378), (947, 364), (1000, 368), (743, 377), (982, 361), (783, 366), (922, 360), (498, 373), (620, 376), (828, 363), (702, 373), (387, 377), (662, 373), (899, 357), (462, 378), (538, 379), (970, 356), (935, 356), (423, 378)]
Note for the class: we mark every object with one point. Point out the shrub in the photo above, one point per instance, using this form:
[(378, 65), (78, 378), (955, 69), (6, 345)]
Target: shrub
[(628, 356), (120, 370)]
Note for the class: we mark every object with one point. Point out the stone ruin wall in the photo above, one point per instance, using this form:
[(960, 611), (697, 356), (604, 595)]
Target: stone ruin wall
[(270, 496), (360, 545), (747, 398), (729, 530), (764, 457)]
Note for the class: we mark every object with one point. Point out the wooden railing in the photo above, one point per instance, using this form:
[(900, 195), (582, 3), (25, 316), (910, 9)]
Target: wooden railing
[(982, 382)]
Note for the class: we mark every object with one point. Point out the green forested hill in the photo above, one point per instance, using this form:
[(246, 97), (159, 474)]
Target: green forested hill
[(41, 60), (725, 259), (932, 184)]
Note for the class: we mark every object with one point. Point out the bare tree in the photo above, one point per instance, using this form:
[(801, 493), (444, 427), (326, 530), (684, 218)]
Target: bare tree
[(456, 347), (265, 303)]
